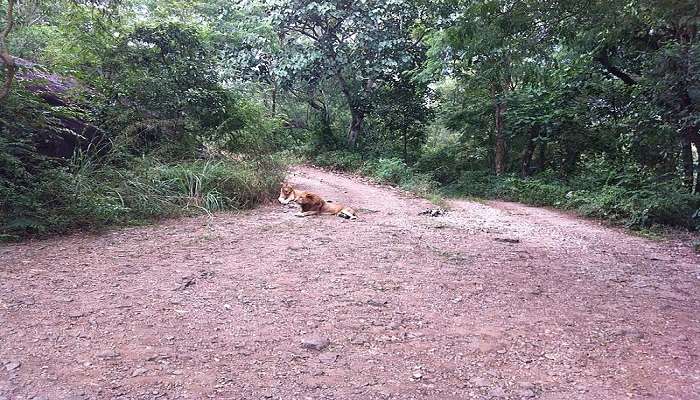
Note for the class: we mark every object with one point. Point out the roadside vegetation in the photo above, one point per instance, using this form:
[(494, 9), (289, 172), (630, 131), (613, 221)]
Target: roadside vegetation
[(122, 112)]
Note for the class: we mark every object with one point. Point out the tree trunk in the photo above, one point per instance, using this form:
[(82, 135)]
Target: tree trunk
[(357, 111), (405, 147), (541, 159), (355, 128), (527, 154), (274, 99), (500, 151), (695, 141), (687, 159), (7, 59)]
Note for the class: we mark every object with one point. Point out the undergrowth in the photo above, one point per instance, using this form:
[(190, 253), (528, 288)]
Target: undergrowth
[(86, 196), (634, 198)]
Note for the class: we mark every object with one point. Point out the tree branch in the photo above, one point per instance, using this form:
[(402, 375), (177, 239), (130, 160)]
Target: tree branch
[(604, 60), (7, 59)]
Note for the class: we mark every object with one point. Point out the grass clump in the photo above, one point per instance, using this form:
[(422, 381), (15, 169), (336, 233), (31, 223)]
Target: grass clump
[(63, 199)]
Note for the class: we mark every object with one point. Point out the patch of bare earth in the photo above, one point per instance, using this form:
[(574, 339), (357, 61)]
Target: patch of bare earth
[(489, 301)]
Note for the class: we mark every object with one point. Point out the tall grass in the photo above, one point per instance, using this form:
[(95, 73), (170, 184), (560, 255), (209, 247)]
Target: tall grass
[(85, 195)]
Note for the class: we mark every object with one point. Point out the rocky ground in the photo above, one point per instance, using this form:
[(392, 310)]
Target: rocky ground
[(486, 301)]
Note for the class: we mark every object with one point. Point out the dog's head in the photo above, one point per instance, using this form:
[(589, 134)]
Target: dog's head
[(287, 194), (306, 198)]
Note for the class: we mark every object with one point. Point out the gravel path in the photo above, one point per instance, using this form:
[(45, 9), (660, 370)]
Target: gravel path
[(488, 301)]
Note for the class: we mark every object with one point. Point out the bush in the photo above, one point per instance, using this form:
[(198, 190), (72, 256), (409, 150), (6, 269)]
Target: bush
[(62, 199), (388, 170), (340, 160), (611, 196)]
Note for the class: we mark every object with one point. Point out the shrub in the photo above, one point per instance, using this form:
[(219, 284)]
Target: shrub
[(388, 170), (63, 199), (421, 184), (617, 197), (340, 160)]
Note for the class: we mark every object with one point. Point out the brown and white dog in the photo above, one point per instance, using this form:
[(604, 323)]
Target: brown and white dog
[(313, 204)]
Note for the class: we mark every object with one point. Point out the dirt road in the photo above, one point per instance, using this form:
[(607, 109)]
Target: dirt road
[(490, 301)]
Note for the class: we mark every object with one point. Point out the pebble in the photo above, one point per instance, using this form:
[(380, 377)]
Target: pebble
[(107, 354), (315, 343), (526, 393), (378, 302), (394, 326), (328, 358), (480, 382), (76, 314), (138, 372), (359, 340), (12, 365)]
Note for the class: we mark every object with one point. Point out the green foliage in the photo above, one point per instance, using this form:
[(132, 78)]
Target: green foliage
[(340, 159), (168, 137), (88, 197), (606, 194), (389, 170)]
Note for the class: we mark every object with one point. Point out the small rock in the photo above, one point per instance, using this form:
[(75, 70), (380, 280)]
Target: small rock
[(433, 212), (177, 372), (480, 382), (497, 393), (138, 372), (536, 291), (417, 375), (107, 354), (185, 282), (76, 314), (157, 357), (359, 340), (328, 358), (507, 240), (628, 331), (526, 393), (315, 343), (377, 302), (12, 365)]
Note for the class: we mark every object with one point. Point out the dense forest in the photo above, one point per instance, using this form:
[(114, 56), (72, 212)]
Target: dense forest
[(119, 112)]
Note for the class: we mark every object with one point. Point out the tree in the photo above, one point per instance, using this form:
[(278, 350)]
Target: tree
[(7, 59), (359, 44), (490, 45)]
